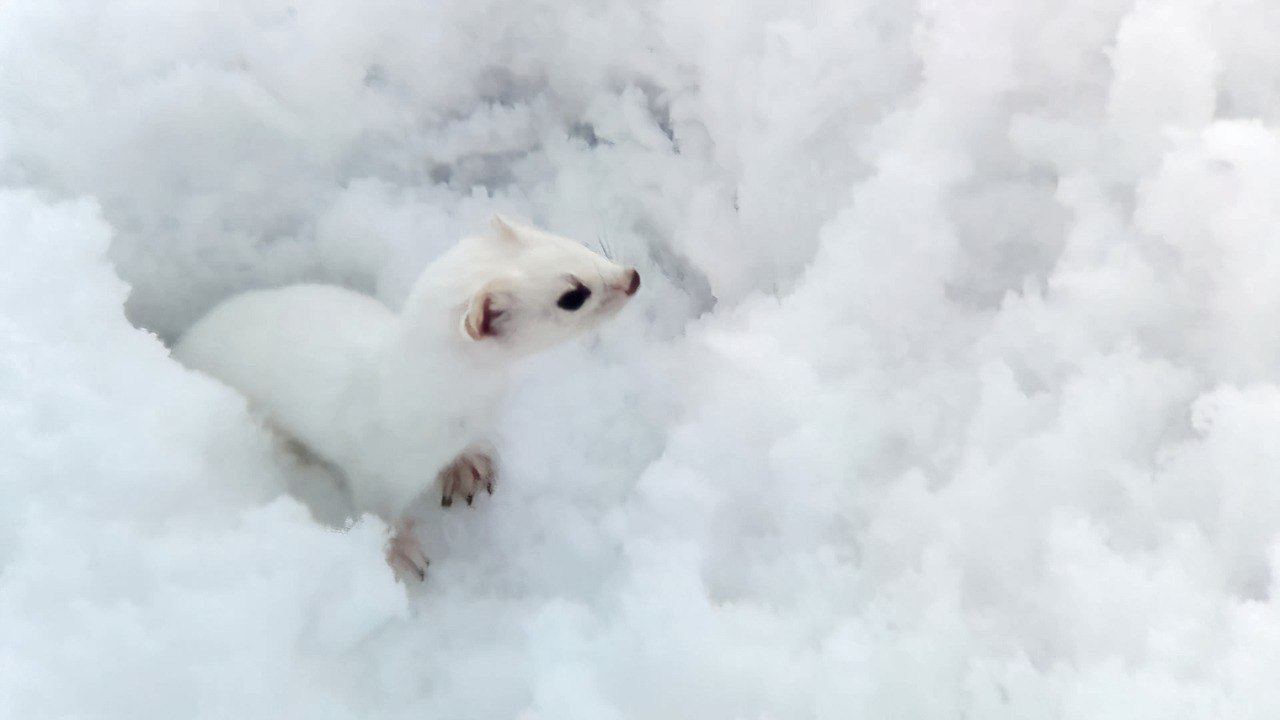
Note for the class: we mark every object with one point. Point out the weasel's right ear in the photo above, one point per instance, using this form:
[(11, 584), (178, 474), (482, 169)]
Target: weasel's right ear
[(505, 229), (487, 312)]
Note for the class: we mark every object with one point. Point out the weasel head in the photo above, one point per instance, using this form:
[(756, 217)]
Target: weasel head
[(541, 289)]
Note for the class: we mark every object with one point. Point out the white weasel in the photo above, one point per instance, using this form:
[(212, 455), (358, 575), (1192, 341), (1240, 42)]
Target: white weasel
[(397, 401)]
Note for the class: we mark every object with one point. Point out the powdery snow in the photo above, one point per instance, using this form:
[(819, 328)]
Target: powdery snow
[(953, 388)]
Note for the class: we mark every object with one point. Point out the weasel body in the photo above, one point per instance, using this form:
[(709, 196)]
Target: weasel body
[(402, 401)]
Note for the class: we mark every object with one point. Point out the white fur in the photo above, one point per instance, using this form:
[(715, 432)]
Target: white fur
[(391, 399)]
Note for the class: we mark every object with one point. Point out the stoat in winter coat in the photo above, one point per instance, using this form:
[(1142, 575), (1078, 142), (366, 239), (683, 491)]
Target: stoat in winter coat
[(399, 402)]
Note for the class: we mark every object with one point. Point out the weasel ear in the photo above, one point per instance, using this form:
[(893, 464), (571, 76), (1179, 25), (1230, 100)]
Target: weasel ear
[(488, 311), (505, 229)]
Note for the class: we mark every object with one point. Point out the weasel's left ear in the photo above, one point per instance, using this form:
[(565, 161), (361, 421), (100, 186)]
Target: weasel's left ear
[(488, 312)]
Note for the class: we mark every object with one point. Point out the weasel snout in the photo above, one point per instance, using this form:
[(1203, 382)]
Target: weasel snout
[(633, 281)]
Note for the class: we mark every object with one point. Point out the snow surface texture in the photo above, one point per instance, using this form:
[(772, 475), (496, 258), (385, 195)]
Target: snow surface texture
[(953, 389)]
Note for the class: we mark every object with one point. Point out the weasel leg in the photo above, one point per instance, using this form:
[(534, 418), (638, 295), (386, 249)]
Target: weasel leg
[(469, 473), (404, 553)]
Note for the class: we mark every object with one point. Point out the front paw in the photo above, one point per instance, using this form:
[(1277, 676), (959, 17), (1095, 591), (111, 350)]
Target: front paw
[(405, 555), (470, 472)]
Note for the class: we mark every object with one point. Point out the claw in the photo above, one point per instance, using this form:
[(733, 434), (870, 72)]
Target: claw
[(446, 501), (489, 487), (469, 499)]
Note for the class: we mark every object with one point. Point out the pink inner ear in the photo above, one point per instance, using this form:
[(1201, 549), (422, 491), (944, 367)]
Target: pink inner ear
[(488, 315)]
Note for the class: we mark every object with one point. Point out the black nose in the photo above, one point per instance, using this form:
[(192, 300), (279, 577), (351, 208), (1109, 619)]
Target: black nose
[(634, 285)]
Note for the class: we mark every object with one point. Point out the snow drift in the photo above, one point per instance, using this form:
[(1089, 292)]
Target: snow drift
[(952, 390)]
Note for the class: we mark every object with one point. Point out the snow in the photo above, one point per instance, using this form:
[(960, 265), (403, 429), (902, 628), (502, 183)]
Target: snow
[(952, 389)]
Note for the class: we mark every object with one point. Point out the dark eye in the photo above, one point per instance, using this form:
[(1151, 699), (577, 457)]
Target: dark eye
[(573, 299)]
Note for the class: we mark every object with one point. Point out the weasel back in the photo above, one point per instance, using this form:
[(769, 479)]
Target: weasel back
[(292, 351)]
